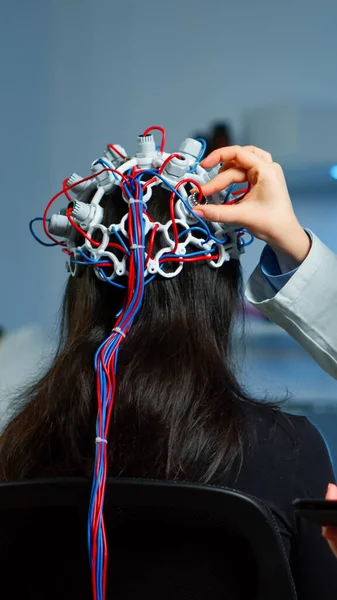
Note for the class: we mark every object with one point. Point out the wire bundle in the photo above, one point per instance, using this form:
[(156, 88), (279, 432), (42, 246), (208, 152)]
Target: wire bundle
[(105, 365)]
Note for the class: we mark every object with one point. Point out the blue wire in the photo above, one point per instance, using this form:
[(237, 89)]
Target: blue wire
[(229, 191), (196, 229), (106, 165), (87, 260), (112, 282), (121, 241), (191, 229), (202, 152), (187, 206), (249, 242), (201, 253), (36, 237)]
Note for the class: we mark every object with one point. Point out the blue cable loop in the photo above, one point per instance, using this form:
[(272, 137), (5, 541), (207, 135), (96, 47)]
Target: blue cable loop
[(47, 244), (195, 229), (244, 242), (101, 161)]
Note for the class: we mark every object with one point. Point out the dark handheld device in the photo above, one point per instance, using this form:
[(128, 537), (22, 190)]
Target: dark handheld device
[(322, 512)]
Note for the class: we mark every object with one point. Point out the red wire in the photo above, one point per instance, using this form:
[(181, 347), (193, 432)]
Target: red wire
[(65, 190), (167, 160), (116, 150), (235, 201), (172, 215), (163, 134), (241, 193), (149, 182), (193, 259), (195, 183), (87, 237), (244, 191), (151, 244), (70, 187)]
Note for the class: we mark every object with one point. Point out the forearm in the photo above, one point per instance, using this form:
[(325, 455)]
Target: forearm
[(306, 306)]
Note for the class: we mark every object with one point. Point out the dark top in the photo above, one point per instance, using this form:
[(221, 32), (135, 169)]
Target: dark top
[(290, 460)]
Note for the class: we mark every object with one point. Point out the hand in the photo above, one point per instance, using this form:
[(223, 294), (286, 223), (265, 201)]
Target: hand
[(266, 211), (330, 532)]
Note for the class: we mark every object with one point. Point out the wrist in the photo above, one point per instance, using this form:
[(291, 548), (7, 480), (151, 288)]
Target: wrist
[(295, 244)]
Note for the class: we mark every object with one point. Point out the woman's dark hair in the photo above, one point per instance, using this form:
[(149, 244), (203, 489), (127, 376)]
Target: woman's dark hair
[(179, 411)]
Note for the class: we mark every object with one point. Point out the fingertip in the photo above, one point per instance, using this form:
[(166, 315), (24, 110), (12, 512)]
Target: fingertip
[(210, 160), (207, 189), (200, 212)]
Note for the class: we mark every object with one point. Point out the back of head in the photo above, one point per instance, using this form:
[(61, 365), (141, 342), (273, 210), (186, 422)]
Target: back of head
[(177, 409)]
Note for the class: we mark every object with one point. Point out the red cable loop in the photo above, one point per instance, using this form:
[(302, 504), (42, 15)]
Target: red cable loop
[(87, 237), (70, 187), (167, 160), (163, 133)]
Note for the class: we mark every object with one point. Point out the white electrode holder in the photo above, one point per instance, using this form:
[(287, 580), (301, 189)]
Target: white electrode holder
[(191, 150), (115, 157), (105, 178), (175, 170), (83, 189), (146, 151), (60, 226)]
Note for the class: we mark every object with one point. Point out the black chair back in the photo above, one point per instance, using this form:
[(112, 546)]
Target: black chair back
[(166, 541)]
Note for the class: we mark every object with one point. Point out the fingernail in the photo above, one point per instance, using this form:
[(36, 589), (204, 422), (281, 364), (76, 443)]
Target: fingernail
[(199, 212)]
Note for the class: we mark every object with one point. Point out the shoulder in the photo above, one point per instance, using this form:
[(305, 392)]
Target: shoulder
[(294, 447), (274, 425)]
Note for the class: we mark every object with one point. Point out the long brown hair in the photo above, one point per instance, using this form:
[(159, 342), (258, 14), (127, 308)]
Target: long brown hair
[(179, 411)]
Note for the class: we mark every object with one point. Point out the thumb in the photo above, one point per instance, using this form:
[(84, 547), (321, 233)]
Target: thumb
[(220, 213), (331, 493)]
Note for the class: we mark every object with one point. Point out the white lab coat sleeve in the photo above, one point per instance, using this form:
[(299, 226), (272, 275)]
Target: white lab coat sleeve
[(306, 307)]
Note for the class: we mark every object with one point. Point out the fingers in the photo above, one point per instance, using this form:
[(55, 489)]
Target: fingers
[(220, 213), (263, 154), (242, 156), (223, 180)]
